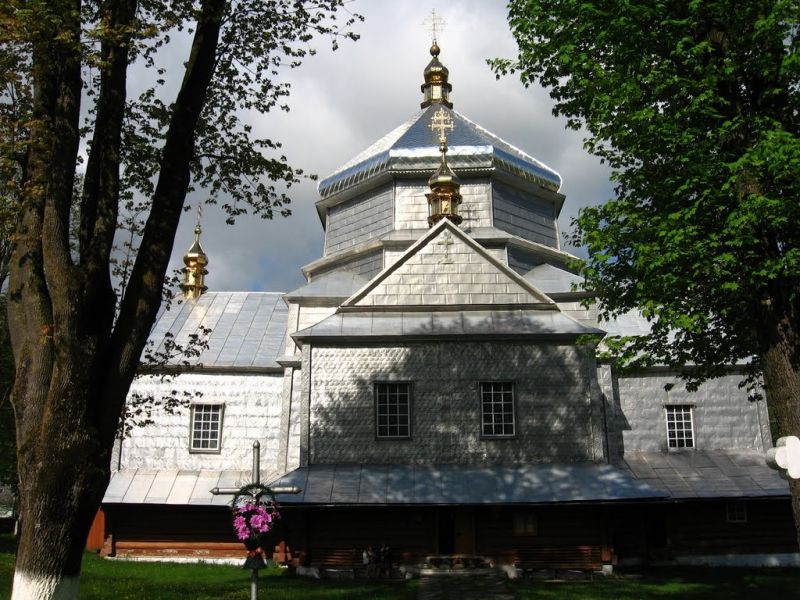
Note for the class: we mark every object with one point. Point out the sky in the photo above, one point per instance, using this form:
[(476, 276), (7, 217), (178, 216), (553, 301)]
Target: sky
[(343, 101)]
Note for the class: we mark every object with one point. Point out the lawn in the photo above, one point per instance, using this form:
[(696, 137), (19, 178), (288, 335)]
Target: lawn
[(102, 579), (672, 583)]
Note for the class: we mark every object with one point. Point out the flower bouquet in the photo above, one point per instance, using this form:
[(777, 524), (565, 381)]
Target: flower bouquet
[(252, 521)]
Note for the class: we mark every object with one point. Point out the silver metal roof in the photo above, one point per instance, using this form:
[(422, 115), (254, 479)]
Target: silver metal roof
[(413, 146), (685, 475), (707, 474), (248, 329), (552, 280), (336, 284), (172, 486), (360, 325), (462, 484)]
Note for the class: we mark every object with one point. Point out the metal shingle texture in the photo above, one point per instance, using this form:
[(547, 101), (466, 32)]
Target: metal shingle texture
[(173, 486), (413, 146), (247, 328), (336, 284), (366, 324), (707, 474), (462, 484), (552, 280)]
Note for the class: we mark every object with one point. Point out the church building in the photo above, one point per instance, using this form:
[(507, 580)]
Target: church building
[(434, 386)]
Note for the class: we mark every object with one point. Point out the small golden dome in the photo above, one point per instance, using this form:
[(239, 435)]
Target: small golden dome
[(194, 273), (195, 253), (436, 88)]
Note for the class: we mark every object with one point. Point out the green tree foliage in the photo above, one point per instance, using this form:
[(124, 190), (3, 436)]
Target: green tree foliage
[(695, 105), (111, 111)]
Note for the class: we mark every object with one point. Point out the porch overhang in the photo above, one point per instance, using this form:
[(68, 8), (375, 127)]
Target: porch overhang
[(379, 485)]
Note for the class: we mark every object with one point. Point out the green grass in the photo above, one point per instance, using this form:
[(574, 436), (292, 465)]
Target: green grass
[(671, 583), (103, 579)]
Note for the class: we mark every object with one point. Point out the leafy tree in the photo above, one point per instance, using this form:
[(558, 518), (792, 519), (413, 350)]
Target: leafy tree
[(695, 105), (68, 123)]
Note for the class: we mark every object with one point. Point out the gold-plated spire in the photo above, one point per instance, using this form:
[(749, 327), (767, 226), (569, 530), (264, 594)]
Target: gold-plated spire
[(444, 197), (436, 89), (196, 261)]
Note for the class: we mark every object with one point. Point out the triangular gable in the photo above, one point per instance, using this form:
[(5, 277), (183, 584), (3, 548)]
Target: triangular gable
[(448, 268)]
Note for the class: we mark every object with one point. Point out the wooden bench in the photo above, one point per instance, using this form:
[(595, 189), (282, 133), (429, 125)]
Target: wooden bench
[(582, 558)]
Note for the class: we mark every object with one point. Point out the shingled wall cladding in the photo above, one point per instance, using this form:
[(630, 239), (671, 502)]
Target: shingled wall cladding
[(359, 220), (252, 412), (723, 417), (411, 205), (523, 215), (554, 417), (447, 271)]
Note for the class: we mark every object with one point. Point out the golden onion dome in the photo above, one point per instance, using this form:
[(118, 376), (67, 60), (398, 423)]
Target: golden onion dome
[(195, 254), (435, 71), (436, 89), (444, 175)]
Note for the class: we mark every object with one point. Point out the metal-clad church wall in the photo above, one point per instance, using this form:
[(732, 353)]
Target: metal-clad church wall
[(523, 215), (553, 396), (252, 412), (359, 220), (722, 415)]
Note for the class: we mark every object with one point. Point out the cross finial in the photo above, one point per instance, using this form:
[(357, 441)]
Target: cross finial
[(199, 215), (442, 122), (435, 24)]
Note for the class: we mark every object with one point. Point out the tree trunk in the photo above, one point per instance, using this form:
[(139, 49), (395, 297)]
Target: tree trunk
[(62, 481), (780, 358), (73, 365)]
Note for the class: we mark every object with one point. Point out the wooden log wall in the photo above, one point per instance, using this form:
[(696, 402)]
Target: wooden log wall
[(702, 528)]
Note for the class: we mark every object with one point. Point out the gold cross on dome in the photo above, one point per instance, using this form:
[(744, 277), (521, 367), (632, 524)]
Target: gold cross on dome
[(434, 23), (442, 122)]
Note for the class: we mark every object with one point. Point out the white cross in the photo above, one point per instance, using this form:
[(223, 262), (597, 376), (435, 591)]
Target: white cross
[(434, 23)]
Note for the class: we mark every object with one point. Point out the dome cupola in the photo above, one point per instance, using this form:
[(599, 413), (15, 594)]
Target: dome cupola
[(436, 89), (194, 273), (444, 197)]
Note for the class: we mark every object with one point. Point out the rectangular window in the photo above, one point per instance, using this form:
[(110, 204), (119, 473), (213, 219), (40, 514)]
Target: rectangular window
[(736, 512), (525, 523), (497, 409), (680, 433), (206, 427), (392, 410)]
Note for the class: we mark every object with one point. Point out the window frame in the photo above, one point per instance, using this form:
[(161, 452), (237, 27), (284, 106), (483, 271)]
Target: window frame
[(736, 511), (220, 422), (524, 523), (683, 407), (376, 412), (498, 436)]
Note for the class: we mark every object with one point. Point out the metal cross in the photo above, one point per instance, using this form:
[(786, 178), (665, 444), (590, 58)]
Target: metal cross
[(434, 23), (256, 479), (442, 122), (446, 241)]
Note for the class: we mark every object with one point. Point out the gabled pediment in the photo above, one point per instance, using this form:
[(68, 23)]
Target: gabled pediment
[(448, 269)]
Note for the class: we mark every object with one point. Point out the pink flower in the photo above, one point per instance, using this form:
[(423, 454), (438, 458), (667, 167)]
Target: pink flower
[(240, 525)]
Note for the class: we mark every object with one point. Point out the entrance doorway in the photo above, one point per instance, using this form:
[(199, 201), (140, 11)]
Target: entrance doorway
[(456, 531)]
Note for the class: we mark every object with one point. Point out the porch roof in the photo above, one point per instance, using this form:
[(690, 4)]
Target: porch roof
[(699, 474), (368, 484)]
